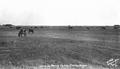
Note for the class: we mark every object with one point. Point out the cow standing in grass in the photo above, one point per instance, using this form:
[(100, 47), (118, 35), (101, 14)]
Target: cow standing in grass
[(22, 32), (30, 31), (70, 27)]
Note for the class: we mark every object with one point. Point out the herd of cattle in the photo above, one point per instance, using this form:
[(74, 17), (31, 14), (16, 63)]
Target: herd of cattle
[(23, 32)]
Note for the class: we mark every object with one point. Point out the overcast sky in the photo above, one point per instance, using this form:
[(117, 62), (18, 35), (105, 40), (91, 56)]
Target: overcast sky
[(60, 12)]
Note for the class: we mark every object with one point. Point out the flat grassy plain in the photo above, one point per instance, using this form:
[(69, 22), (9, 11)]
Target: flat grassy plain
[(55, 46)]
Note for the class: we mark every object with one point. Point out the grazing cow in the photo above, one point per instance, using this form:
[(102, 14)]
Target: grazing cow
[(31, 31), (70, 27), (103, 28), (22, 32), (87, 28)]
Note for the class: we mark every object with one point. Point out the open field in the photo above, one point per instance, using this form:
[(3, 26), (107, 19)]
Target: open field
[(54, 46)]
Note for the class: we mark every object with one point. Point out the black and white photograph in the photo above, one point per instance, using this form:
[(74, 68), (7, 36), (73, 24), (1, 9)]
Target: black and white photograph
[(59, 34)]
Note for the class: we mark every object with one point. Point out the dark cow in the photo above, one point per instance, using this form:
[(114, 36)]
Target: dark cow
[(70, 27), (22, 32), (30, 31), (103, 28), (87, 28)]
